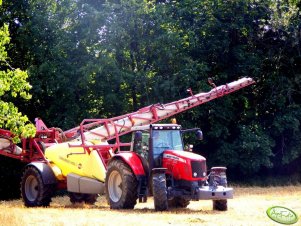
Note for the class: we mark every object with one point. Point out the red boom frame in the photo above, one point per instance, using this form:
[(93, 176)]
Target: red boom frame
[(32, 148)]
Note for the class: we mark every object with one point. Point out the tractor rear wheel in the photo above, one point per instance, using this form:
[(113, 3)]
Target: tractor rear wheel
[(121, 186), (80, 197), (221, 205), (178, 202), (33, 190), (160, 192)]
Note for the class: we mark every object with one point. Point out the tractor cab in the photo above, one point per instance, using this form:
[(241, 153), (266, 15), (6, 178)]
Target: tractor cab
[(163, 137), (151, 142)]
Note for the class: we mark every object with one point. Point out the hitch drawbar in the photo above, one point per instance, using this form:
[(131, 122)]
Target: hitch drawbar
[(214, 193)]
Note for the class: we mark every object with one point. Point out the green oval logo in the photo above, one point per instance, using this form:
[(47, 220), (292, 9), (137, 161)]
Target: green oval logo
[(282, 215)]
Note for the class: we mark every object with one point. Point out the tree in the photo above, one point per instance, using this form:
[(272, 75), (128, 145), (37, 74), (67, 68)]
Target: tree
[(13, 85), (256, 131)]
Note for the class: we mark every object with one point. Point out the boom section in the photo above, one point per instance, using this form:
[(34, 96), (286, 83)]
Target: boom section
[(112, 128)]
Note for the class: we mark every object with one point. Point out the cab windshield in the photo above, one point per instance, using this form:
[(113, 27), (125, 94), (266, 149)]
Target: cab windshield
[(166, 139)]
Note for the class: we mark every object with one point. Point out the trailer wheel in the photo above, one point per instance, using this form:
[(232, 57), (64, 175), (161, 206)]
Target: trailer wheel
[(121, 186), (33, 191), (221, 205), (178, 202), (80, 197), (160, 192)]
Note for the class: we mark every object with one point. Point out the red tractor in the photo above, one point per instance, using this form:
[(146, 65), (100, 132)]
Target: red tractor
[(172, 175)]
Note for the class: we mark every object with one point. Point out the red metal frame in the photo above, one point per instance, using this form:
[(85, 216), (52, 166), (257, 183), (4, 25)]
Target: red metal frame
[(32, 150), (192, 101)]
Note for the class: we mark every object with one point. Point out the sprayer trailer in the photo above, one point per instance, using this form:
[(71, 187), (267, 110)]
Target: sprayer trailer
[(90, 160)]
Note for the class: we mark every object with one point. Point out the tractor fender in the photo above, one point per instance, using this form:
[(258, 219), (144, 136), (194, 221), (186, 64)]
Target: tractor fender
[(45, 171), (132, 160)]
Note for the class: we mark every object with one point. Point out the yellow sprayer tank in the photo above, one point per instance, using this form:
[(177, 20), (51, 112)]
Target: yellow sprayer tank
[(75, 160)]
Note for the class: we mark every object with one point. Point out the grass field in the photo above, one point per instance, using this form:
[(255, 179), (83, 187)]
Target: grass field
[(247, 208)]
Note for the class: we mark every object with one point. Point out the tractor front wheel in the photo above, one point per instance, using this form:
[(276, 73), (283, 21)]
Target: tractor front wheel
[(160, 192), (80, 197), (121, 186), (221, 205), (33, 190), (178, 202)]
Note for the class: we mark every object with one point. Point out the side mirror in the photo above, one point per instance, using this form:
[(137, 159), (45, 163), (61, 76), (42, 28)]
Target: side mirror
[(188, 148), (138, 136), (199, 134)]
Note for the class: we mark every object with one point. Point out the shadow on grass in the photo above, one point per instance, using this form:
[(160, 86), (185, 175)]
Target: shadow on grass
[(62, 202), (145, 210)]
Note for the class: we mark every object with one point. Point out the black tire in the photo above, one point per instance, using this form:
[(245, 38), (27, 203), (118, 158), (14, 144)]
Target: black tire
[(80, 197), (160, 192), (178, 202), (121, 186), (150, 186), (33, 191), (220, 205)]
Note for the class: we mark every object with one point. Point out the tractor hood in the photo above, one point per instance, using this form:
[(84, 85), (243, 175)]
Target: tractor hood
[(185, 165), (182, 155)]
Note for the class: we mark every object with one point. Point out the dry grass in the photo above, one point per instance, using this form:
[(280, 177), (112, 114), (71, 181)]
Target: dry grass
[(247, 208)]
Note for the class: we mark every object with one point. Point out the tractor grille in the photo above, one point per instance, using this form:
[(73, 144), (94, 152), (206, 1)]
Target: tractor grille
[(198, 169)]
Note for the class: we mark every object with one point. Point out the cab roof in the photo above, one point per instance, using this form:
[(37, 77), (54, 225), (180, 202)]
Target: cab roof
[(159, 126)]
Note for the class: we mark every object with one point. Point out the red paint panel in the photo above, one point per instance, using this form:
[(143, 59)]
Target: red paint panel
[(178, 164), (132, 159)]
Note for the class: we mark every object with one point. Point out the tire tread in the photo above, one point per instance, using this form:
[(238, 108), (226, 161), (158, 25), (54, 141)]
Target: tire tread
[(45, 190), (129, 195)]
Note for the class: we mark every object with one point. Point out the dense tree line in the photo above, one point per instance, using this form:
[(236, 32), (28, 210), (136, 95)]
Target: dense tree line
[(95, 59)]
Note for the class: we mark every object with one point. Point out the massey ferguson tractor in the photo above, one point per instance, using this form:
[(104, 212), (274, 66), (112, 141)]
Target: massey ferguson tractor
[(90, 160)]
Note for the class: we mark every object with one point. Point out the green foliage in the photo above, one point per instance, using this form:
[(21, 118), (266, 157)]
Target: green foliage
[(13, 84), (244, 152)]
